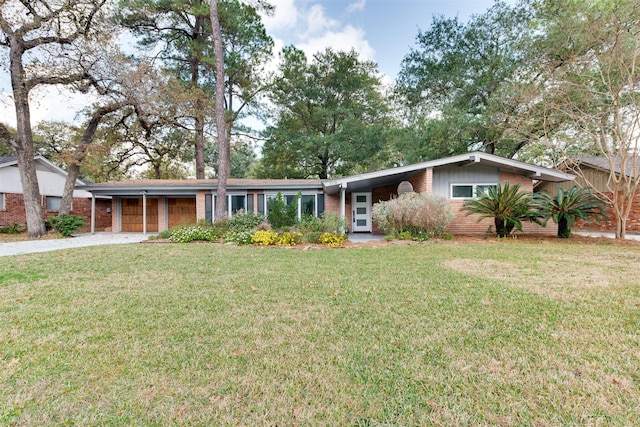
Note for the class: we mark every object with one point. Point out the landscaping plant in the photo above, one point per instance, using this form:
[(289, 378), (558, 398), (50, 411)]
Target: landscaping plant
[(65, 224), (413, 214), (506, 204), (569, 205)]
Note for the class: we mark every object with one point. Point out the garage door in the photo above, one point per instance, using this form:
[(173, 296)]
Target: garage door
[(131, 215), (181, 211)]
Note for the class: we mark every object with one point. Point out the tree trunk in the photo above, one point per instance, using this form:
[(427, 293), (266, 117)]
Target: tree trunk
[(23, 148), (66, 203), (564, 232), (199, 148), (223, 149)]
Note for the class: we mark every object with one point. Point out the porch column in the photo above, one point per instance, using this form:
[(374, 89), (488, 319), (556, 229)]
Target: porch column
[(343, 191), (144, 212), (93, 213)]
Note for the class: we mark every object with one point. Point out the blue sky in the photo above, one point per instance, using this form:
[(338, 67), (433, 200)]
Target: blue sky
[(380, 30)]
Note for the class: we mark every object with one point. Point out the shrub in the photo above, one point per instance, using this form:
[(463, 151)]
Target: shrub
[(242, 237), (282, 215), (65, 224), (245, 221), (289, 238), (15, 228), (507, 205), (196, 232), (414, 214), (332, 239), (313, 236), (264, 238), (404, 235)]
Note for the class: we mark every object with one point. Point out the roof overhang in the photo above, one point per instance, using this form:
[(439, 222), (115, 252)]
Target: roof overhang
[(398, 174)]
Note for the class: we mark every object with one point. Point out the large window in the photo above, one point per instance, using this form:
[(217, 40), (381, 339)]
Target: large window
[(235, 204), (53, 203), (308, 204), (469, 191)]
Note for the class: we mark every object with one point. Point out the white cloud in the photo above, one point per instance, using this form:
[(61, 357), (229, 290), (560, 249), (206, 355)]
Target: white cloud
[(317, 21), (346, 39), (285, 16), (357, 6)]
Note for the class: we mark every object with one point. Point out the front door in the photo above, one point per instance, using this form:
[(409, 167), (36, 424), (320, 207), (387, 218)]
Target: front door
[(361, 212)]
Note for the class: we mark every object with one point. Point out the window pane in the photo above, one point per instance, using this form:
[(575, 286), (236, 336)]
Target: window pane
[(361, 211), (361, 223), (459, 191), (1, 201), (289, 199), (308, 205), (53, 203), (208, 207), (237, 204), (361, 199), (481, 189)]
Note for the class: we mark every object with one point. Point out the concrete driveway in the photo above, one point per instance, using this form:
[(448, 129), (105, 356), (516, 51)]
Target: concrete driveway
[(77, 241)]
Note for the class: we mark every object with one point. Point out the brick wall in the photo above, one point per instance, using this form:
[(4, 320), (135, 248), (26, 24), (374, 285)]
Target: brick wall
[(633, 222), (14, 211)]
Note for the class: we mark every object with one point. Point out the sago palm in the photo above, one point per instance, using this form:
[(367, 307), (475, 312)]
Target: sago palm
[(507, 205), (569, 205)]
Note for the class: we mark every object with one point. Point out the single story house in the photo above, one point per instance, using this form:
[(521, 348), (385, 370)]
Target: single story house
[(51, 181), (594, 172), (156, 205)]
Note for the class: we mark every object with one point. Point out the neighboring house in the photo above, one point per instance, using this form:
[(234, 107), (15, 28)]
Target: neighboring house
[(156, 205), (594, 173), (51, 181)]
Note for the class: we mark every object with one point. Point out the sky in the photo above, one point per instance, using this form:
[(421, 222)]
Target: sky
[(383, 31)]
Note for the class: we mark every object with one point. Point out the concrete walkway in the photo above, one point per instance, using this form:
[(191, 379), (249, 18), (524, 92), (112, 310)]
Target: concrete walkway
[(77, 241)]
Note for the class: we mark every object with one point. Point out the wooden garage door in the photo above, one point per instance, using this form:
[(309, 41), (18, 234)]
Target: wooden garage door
[(181, 211), (131, 216)]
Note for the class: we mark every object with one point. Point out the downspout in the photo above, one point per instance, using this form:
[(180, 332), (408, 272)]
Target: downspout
[(144, 212), (93, 213), (343, 191)]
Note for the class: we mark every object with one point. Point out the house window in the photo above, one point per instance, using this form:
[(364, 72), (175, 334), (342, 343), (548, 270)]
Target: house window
[(53, 203), (235, 203), (2, 201), (307, 203), (469, 191)]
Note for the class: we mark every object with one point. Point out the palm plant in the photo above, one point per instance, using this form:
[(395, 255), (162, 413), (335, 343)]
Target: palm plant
[(569, 205), (507, 205)]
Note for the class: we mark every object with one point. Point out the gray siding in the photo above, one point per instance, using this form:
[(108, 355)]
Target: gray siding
[(444, 176)]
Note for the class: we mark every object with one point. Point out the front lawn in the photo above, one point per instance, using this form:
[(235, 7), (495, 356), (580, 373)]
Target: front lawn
[(443, 333)]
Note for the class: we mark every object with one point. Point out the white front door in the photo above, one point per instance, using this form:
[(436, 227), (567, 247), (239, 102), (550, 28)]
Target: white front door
[(361, 212)]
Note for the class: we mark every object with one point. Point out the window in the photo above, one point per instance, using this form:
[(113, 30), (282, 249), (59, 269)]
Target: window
[(307, 203), (53, 203), (469, 191), (235, 203), (1, 201)]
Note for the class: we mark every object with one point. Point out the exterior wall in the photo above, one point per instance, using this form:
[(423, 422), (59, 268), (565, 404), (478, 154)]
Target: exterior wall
[(14, 211), (444, 176), (201, 212), (633, 222), (422, 181), (162, 213)]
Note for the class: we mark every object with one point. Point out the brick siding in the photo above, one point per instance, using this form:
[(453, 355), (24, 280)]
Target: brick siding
[(633, 222), (14, 211)]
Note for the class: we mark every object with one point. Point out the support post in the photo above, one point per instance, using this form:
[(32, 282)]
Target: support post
[(144, 212), (343, 191), (93, 213)]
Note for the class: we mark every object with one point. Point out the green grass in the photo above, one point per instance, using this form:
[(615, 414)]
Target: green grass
[(496, 333)]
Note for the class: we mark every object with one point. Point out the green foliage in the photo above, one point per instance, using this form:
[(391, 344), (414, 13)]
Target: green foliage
[(413, 213), (196, 232), (241, 237), (329, 222), (569, 205), (289, 238), (404, 235), (332, 239), (280, 214), (65, 224), (15, 228), (332, 117), (506, 204), (246, 221)]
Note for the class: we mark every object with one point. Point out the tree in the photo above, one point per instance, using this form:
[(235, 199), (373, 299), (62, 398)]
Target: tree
[(47, 44), (591, 56), (506, 204), (457, 84), (330, 116), (569, 205)]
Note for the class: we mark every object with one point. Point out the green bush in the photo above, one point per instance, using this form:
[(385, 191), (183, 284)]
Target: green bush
[(246, 221), (282, 215), (15, 228), (196, 232), (65, 224), (413, 213), (241, 237)]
